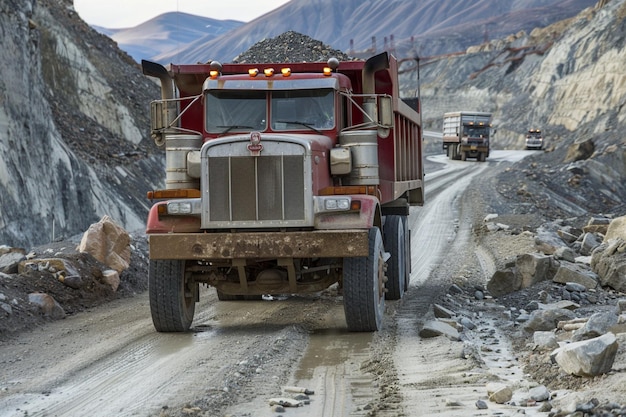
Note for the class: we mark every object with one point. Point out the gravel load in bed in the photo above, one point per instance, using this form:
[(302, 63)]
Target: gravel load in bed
[(290, 47)]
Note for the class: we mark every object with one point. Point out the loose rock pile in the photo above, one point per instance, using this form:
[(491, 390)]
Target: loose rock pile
[(56, 280), (562, 304), (290, 47)]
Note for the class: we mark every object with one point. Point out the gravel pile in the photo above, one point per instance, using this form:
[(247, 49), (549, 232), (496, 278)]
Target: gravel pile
[(290, 47)]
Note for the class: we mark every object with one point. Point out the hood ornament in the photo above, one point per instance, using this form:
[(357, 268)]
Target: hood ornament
[(255, 146)]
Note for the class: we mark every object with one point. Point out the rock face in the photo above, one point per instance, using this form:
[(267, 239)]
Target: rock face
[(564, 78), (73, 127), (74, 117)]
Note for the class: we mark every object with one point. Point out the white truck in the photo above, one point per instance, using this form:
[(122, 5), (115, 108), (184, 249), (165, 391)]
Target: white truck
[(534, 139), (466, 134)]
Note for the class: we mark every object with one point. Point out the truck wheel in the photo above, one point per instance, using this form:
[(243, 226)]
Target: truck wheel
[(363, 280), (482, 157), (452, 152), (172, 294), (463, 156), (395, 244)]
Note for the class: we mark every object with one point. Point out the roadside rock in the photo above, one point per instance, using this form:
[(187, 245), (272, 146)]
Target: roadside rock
[(108, 243), (588, 357), (48, 306), (609, 262)]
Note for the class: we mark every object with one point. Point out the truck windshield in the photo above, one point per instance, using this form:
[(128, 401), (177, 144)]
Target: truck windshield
[(476, 132), (311, 108), (228, 111)]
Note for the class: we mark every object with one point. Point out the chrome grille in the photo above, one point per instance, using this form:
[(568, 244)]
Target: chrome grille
[(242, 190)]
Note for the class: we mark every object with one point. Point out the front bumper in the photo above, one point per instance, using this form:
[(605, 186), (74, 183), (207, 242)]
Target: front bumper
[(255, 245)]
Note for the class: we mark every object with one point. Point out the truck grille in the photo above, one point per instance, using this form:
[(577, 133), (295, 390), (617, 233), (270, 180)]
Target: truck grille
[(246, 191)]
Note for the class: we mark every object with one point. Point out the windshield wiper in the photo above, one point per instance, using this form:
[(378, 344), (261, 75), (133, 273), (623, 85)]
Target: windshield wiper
[(231, 127), (296, 122)]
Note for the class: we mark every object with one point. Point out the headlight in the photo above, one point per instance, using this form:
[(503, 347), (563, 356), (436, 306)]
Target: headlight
[(335, 203), (184, 207)]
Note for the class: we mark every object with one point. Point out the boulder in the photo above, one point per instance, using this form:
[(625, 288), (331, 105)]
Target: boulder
[(597, 225), (608, 261), (108, 243), (533, 268), (504, 282), (588, 357), (580, 150), (48, 306), (597, 325), (9, 261), (545, 340), (499, 393), (570, 272), (435, 328), (589, 242), (547, 320), (616, 229), (112, 278)]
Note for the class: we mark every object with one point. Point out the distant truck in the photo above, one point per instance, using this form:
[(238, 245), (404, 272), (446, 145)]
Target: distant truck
[(466, 135), (534, 139), (283, 178)]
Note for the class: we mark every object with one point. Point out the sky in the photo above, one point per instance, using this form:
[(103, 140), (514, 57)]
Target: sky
[(115, 14)]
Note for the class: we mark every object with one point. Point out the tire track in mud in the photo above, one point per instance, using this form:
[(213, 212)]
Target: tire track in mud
[(437, 376)]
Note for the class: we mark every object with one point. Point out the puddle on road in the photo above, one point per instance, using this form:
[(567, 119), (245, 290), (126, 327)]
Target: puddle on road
[(332, 347), (331, 367)]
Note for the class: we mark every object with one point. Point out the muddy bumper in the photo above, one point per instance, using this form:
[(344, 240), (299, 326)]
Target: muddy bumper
[(249, 245)]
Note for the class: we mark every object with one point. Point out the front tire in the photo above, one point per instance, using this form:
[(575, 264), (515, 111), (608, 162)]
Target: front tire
[(173, 296), (363, 295)]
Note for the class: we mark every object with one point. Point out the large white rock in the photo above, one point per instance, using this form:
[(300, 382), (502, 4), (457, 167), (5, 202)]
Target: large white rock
[(589, 357), (108, 243)]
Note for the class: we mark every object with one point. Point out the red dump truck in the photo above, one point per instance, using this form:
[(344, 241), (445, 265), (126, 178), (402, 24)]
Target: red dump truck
[(467, 134), (283, 179)]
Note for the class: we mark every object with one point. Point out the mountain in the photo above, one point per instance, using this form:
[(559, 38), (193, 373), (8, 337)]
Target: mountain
[(74, 109), (429, 27), (168, 32), (567, 79)]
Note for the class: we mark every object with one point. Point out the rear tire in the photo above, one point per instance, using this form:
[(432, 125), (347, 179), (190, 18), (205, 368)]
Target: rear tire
[(363, 298), (395, 244), (173, 296)]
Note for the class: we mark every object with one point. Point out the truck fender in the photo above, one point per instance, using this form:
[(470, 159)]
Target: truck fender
[(369, 215), (169, 224)]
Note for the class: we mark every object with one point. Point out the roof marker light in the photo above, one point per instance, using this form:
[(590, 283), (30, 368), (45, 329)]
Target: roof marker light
[(286, 72), (253, 72), (215, 67), (268, 72)]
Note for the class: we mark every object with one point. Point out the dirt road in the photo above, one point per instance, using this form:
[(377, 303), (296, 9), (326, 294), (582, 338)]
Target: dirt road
[(110, 361)]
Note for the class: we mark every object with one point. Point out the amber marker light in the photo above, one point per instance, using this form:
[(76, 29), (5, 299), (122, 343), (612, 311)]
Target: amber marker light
[(327, 71), (268, 72), (173, 193), (253, 72), (285, 71)]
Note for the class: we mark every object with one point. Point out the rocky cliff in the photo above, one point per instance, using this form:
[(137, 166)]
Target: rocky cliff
[(74, 125), (74, 115), (567, 79)]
